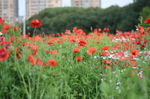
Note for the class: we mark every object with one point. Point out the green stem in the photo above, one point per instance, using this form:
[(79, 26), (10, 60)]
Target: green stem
[(34, 32), (23, 79)]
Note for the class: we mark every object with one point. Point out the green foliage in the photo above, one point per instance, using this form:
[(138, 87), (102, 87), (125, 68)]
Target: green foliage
[(145, 12), (70, 79), (144, 15), (57, 20)]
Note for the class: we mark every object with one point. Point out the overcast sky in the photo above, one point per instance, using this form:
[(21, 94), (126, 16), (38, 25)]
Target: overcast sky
[(105, 4)]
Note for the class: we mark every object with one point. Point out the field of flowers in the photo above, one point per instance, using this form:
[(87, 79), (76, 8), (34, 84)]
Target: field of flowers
[(74, 65)]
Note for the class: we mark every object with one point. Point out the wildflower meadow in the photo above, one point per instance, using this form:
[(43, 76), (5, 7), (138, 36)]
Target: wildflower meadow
[(74, 64)]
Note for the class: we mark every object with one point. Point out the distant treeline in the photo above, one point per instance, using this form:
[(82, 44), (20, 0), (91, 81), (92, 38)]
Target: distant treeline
[(57, 20)]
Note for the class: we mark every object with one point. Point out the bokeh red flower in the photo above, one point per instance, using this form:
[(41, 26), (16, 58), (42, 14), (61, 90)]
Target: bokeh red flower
[(135, 52), (31, 60), (78, 58), (36, 23), (4, 54), (52, 62), (147, 20), (1, 21), (91, 50), (76, 50)]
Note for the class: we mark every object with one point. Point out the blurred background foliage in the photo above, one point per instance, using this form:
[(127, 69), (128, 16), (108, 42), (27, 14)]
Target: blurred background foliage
[(57, 20)]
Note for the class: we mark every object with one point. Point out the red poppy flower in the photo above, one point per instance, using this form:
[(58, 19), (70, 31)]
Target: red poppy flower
[(52, 52), (78, 58), (50, 43), (3, 31), (6, 27), (75, 50), (60, 41), (120, 54), (106, 29), (79, 32), (141, 29), (148, 29), (31, 60), (16, 28), (34, 49), (142, 46), (105, 53), (135, 52), (11, 38), (105, 48), (1, 21), (106, 61), (6, 44), (91, 50), (146, 53), (2, 39), (133, 63), (35, 23), (39, 62), (147, 20), (82, 42), (72, 40), (18, 53), (52, 62), (67, 31), (4, 54), (116, 46)]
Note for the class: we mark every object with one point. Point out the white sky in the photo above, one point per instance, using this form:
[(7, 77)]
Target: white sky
[(105, 4)]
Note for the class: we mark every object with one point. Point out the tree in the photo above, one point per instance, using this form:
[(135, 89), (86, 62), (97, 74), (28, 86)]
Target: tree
[(57, 20)]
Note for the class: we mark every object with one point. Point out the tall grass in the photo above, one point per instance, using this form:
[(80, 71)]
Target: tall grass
[(90, 78)]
